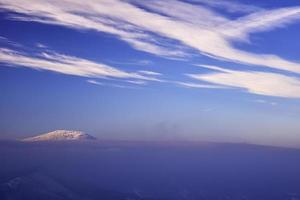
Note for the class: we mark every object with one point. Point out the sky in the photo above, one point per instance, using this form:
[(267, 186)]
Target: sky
[(212, 70)]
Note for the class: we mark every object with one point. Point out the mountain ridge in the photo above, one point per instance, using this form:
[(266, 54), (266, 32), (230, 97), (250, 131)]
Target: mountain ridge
[(60, 135)]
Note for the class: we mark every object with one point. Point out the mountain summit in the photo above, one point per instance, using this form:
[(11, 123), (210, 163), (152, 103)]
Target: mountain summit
[(60, 135)]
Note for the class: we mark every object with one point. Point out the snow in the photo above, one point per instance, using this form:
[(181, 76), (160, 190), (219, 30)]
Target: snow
[(61, 135)]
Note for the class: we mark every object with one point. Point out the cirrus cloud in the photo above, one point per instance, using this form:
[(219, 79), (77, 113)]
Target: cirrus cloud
[(68, 65), (164, 27), (168, 28), (261, 83)]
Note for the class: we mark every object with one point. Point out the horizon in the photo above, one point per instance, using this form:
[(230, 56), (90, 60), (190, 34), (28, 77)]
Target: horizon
[(149, 141), (152, 70)]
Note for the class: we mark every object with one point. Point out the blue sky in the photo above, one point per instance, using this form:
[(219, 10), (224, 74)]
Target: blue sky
[(152, 70)]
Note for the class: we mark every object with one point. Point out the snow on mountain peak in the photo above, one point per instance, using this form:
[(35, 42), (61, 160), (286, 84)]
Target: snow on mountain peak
[(61, 135)]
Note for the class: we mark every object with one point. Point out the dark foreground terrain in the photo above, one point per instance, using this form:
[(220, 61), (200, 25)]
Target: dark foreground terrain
[(147, 171)]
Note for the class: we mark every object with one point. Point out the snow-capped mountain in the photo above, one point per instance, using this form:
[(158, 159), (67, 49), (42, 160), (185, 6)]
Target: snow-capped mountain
[(61, 135)]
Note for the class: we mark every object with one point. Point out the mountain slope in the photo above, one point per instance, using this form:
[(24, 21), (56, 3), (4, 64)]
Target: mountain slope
[(38, 185), (59, 135)]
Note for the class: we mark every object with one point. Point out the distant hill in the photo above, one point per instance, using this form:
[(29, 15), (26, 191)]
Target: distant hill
[(37, 185), (61, 135)]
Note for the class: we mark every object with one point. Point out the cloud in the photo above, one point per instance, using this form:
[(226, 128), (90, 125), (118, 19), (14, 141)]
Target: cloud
[(149, 73), (261, 83), (40, 45), (66, 65), (197, 85), (4, 40), (137, 82), (230, 6), (262, 101), (93, 15), (165, 28), (133, 62), (94, 82), (261, 21)]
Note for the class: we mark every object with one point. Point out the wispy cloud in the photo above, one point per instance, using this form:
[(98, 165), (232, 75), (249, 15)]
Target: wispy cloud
[(133, 62), (262, 101), (261, 83), (40, 45), (94, 82), (166, 28), (197, 85), (6, 41), (230, 6), (66, 65), (261, 21), (137, 82), (151, 73)]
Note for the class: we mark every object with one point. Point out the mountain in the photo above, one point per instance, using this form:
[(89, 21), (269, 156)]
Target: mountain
[(35, 186), (38, 185), (60, 135)]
